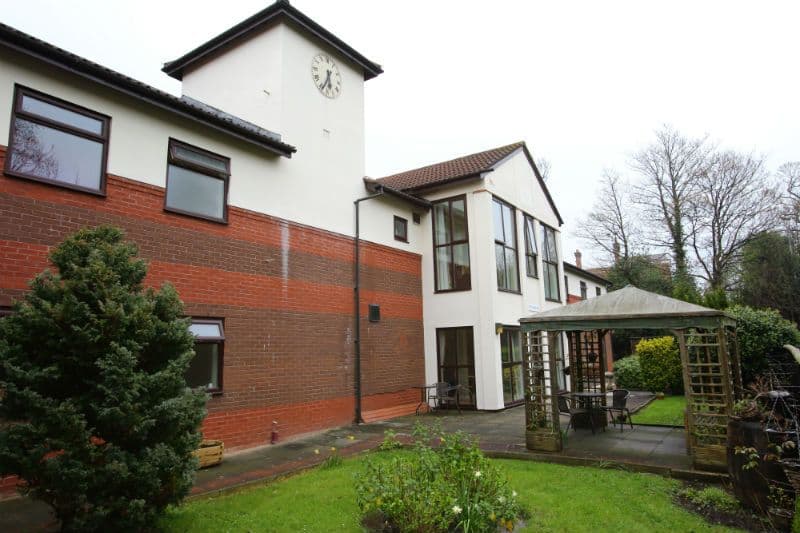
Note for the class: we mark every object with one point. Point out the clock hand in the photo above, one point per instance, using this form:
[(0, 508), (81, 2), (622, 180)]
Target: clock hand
[(327, 80)]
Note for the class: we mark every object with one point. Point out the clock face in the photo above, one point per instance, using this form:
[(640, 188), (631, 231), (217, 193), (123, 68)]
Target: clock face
[(326, 76)]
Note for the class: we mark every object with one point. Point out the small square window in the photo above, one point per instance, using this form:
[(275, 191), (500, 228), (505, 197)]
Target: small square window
[(400, 229), (57, 142), (197, 182), (416, 218), (205, 370)]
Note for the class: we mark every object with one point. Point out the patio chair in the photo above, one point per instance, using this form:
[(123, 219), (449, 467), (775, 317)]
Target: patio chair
[(565, 407), (619, 402), (445, 395)]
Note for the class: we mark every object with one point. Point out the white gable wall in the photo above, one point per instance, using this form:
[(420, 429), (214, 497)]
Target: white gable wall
[(484, 305)]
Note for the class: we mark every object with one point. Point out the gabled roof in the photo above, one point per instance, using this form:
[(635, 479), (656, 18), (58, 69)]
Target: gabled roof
[(459, 169), (589, 274), (628, 308), (280, 10), (184, 107)]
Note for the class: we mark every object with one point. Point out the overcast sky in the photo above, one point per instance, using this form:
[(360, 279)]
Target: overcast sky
[(583, 83)]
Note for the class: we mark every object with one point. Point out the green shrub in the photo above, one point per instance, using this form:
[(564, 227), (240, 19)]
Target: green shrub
[(661, 364), (92, 373), (628, 373), (761, 333), (452, 487), (712, 498)]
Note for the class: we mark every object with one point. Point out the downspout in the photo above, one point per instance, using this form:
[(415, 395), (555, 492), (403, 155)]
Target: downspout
[(357, 312)]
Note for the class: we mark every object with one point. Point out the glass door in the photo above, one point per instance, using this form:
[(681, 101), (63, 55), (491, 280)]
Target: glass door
[(456, 352)]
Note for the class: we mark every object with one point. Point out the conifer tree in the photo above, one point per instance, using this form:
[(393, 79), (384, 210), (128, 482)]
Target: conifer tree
[(95, 414)]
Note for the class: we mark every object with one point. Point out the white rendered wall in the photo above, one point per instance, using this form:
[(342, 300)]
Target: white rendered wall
[(319, 183), (575, 279), (484, 305), (316, 186)]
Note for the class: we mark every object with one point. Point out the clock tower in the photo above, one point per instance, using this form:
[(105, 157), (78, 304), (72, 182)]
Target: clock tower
[(281, 71)]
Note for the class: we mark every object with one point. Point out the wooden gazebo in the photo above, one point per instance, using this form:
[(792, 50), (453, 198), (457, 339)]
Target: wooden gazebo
[(708, 349)]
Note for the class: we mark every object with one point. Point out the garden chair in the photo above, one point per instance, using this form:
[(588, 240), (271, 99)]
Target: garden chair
[(565, 407), (619, 402), (446, 395)]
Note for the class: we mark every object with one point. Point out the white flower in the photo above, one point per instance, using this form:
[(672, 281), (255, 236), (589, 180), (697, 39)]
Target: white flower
[(477, 473), (513, 494), (501, 499), (456, 509)]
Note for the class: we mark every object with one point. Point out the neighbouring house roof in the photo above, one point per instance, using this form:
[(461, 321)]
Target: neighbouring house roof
[(628, 308), (280, 10), (569, 267), (459, 169), (184, 107)]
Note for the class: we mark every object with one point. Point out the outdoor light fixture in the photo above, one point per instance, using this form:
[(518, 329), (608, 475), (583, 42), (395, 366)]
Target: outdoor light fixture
[(498, 328)]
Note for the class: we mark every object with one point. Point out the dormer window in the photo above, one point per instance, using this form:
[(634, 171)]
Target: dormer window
[(197, 182)]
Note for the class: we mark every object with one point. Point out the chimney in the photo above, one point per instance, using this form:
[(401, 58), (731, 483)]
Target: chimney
[(578, 259), (616, 251)]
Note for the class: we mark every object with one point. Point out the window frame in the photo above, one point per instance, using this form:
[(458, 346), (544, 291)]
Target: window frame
[(220, 341), (534, 255), (450, 243), (401, 238), (598, 291), (553, 263), (176, 160), (470, 366), (505, 335), (584, 290), (21, 91), (503, 203)]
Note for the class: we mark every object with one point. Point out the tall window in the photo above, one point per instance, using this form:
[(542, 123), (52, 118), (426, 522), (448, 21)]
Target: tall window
[(56, 142), (550, 264), (456, 352), (566, 284), (511, 355), (205, 370), (451, 245), (583, 290), (531, 251), (597, 291), (197, 182), (505, 246)]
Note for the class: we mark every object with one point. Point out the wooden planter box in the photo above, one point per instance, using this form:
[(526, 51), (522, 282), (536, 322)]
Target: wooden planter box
[(543, 441), (210, 453)]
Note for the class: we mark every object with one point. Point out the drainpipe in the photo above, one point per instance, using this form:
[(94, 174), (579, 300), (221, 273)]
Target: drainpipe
[(357, 312)]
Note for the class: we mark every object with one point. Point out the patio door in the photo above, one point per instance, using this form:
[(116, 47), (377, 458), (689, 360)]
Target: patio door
[(456, 352), (511, 356)]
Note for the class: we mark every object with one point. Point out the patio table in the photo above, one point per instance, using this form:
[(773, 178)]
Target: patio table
[(592, 401)]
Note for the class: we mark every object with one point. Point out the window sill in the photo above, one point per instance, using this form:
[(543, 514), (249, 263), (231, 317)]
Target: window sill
[(401, 240), (532, 276), (445, 291), (55, 183), (195, 215), (551, 300), (509, 291)]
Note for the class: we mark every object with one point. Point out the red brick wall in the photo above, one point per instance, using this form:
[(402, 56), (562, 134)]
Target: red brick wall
[(284, 290)]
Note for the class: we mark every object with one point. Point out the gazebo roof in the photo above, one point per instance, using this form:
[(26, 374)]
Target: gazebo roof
[(628, 308)]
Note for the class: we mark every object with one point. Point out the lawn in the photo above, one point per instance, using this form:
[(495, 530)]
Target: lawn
[(560, 498), (668, 412)]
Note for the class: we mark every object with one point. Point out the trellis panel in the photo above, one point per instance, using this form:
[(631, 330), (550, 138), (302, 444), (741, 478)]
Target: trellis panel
[(542, 428)]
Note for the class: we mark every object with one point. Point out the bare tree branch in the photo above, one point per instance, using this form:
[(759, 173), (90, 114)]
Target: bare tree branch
[(611, 225), (733, 202), (668, 169)]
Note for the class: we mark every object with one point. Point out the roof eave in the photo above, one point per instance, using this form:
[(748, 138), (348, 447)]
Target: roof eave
[(585, 273), (447, 182), (281, 8), (54, 56), (542, 184), (375, 186)]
